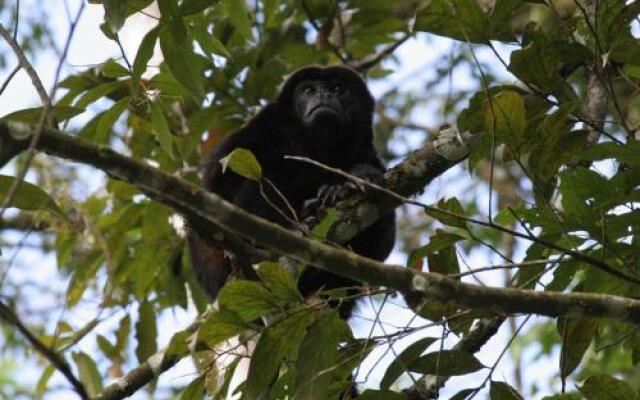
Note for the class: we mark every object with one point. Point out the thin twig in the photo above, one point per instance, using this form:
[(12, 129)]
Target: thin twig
[(25, 64), (7, 315), (318, 30), (506, 266), (502, 353), (9, 78), (46, 99), (17, 17), (368, 63), (598, 263), (124, 54)]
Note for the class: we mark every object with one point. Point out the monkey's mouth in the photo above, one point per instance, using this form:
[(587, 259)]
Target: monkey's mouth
[(323, 109)]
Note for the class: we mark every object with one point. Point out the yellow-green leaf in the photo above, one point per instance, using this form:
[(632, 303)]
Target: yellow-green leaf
[(28, 197), (244, 163), (33, 115), (505, 117), (146, 332), (576, 335), (161, 128), (89, 375)]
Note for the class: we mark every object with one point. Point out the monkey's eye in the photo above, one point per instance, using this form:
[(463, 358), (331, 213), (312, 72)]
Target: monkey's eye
[(336, 88), (308, 90)]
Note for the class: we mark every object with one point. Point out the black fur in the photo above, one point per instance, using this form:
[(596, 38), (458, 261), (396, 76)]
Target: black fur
[(345, 142)]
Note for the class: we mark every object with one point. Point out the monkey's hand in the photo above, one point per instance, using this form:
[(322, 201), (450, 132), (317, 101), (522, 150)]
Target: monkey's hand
[(330, 194)]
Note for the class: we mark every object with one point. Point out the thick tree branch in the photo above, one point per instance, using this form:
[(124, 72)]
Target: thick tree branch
[(405, 179), (144, 373), (196, 202)]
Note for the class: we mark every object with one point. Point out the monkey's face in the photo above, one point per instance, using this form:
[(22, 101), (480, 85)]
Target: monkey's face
[(321, 102)]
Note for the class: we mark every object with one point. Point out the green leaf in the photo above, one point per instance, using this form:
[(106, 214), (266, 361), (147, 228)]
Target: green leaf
[(115, 13), (505, 117), (370, 394), (146, 332), (576, 335), (43, 381), (229, 373), (220, 326), (278, 342), (564, 396), (628, 153), (632, 71), (502, 391), (270, 9), (82, 276), (400, 364), (111, 69), (457, 19), (446, 363), (169, 10), (195, 390), (262, 83), (605, 387), (97, 93), (106, 347), (242, 162), (444, 261), (189, 7), (122, 334), (167, 85), (283, 386), (634, 345), (451, 205), (322, 228), (554, 145), (161, 128), (248, 299), (179, 344), (145, 52), (279, 282), (463, 394), (210, 44), (179, 57), (33, 115), (239, 16), (440, 251), (440, 245), (89, 375), (466, 21), (583, 192), (28, 197), (108, 120), (320, 352), (537, 63)]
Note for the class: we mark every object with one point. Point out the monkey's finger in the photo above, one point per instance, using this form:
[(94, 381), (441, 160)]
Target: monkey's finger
[(356, 186)]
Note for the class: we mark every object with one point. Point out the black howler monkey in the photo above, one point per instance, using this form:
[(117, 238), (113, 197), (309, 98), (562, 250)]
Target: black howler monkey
[(321, 113)]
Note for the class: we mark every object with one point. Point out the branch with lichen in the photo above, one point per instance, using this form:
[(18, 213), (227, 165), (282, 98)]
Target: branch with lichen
[(196, 202), (417, 286)]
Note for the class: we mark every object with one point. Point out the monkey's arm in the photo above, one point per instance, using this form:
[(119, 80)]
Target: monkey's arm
[(210, 263), (377, 240)]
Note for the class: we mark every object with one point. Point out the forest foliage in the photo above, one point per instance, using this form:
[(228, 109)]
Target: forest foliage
[(558, 161)]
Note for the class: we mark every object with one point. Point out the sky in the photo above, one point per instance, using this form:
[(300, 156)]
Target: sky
[(89, 46)]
